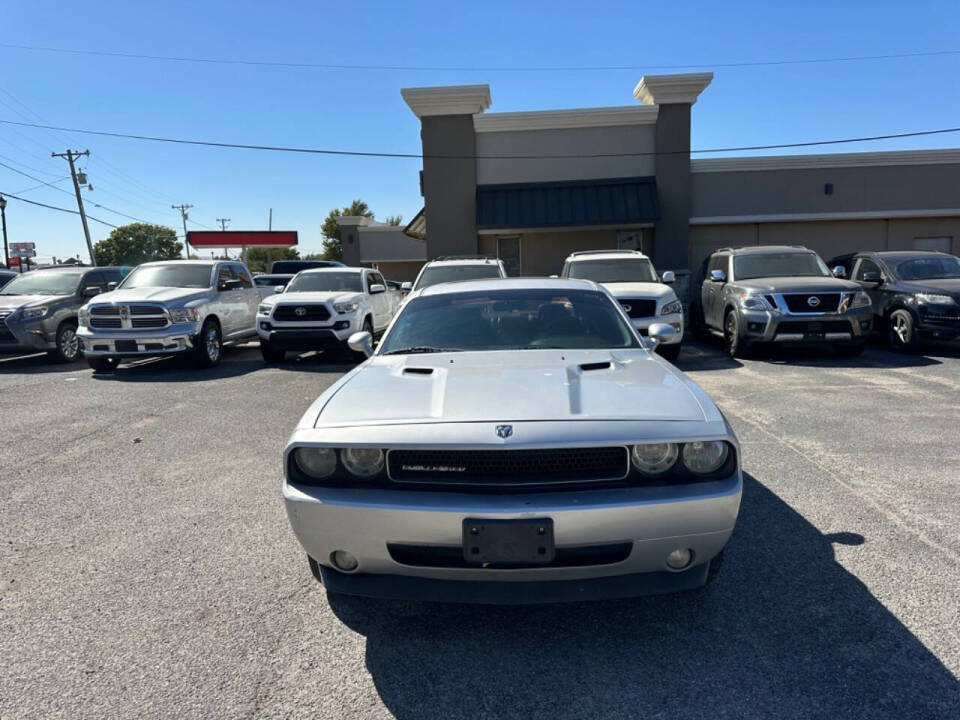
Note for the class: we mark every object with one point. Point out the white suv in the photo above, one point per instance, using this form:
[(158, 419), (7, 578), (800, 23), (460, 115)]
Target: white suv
[(632, 280), (451, 269)]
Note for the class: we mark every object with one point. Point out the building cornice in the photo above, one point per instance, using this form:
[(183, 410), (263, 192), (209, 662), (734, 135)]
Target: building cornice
[(684, 88), (832, 160), (815, 217), (562, 119), (353, 220), (447, 100)]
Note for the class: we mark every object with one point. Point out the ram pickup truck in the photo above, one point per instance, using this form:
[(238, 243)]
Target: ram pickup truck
[(175, 307), (320, 309)]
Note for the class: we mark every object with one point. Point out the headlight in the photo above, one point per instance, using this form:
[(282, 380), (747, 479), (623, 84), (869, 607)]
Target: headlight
[(934, 299), (860, 299), (754, 302), (179, 315), (703, 458), (671, 307), (362, 462), (654, 458), (316, 463), (83, 316), (345, 307), (34, 313), (265, 309)]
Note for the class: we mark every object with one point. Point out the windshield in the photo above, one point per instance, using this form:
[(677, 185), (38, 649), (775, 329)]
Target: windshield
[(946, 267), (509, 320), (612, 271), (42, 282), (270, 280), (452, 273), (327, 282), (788, 264), (180, 276)]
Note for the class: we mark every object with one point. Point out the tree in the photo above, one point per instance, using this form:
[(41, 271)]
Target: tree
[(138, 243), (259, 259), (394, 220), (332, 250)]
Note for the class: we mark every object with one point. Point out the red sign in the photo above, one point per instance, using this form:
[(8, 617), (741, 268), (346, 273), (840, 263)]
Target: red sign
[(14, 262), (242, 238)]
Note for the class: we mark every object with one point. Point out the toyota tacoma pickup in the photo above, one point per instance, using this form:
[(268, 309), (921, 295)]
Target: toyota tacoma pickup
[(177, 307)]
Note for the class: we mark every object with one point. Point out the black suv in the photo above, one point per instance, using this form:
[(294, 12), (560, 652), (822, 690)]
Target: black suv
[(915, 294)]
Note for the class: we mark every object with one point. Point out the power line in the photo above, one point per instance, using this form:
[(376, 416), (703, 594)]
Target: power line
[(54, 207), (359, 153), (37, 187), (481, 68)]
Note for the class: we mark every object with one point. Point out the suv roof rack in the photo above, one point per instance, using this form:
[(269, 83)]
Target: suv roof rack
[(604, 252), (757, 247), (465, 257)]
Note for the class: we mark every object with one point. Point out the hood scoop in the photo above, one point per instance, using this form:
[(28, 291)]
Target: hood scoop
[(418, 371), (588, 367)]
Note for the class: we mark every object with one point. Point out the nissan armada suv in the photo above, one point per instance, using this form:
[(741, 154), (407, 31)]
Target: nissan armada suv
[(781, 294)]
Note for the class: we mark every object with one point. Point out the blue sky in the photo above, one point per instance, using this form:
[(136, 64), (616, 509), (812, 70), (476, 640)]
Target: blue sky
[(363, 110)]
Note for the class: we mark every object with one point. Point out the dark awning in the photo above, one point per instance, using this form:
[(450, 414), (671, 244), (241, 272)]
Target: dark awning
[(617, 201)]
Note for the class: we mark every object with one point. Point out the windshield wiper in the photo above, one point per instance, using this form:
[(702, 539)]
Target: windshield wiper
[(420, 349)]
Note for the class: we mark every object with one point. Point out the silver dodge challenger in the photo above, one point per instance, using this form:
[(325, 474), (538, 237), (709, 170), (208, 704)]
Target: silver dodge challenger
[(511, 442)]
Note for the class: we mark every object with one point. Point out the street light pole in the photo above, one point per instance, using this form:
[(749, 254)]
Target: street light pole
[(70, 156), (3, 221)]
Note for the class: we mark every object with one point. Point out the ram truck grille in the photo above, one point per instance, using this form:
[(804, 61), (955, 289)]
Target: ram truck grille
[(128, 317)]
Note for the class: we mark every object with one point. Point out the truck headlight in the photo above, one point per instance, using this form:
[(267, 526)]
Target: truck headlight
[(343, 308), (34, 313), (83, 316), (316, 463), (265, 309), (754, 302), (362, 462), (935, 299), (180, 315), (672, 307), (654, 458), (703, 458)]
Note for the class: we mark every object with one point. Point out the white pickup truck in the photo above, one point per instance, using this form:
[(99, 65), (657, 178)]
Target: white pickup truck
[(170, 308), (320, 309)]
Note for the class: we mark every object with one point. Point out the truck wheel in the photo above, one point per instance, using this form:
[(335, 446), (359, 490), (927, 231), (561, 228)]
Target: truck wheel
[(736, 346), (209, 345), (902, 333), (103, 364), (271, 354), (669, 352), (850, 349), (68, 344)]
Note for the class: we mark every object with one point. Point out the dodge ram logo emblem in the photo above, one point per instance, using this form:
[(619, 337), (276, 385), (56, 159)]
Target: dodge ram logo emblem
[(504, 431), (813, 301), (300, 311), (124, 312)]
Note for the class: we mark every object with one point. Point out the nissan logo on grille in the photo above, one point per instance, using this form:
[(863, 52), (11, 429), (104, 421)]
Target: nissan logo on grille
[(300, 311), (813, 301)]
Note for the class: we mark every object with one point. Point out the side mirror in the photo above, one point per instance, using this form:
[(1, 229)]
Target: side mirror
[(668, 277), (839, 271), (112, 286), (361, 342), (278, 288), (406, 287), (554, 276), (230, 285), (659, 332), (378, 288), (872, 276), (91, 291), (718, 276)]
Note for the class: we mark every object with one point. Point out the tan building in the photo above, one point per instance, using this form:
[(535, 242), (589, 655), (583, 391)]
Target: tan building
[(385, 247)]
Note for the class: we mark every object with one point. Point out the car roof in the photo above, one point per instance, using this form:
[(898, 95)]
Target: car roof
[(501, 284), (463, 261), (604, 255), (894, 254), (763, 249), (189, 262), (321, 270)]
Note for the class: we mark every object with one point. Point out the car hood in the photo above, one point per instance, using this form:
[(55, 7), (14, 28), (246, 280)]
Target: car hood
[(176, 296), (13, 302), (797, 284), (639, 289), (313, 297), (514, 386)]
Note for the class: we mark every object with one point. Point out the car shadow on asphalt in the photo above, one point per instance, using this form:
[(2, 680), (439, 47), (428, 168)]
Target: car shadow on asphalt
[(784, 631), (36, 364)]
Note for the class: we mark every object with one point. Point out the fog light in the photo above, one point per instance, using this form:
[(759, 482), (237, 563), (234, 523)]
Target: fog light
[(680, 558), (342, 325), (343, 560), (864, 324)]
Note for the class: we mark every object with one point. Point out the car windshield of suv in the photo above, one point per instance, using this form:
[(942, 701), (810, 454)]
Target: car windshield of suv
[(508, 320), (926, 268), (327, 282), (613, 271), (452, 273), (179, 276), (788, 264), (42, 282)]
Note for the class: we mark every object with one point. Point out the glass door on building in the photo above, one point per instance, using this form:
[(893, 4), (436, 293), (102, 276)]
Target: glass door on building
[(508, 250), (630, 240)]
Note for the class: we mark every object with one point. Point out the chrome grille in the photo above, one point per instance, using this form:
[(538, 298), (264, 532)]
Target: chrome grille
[(128, 317), (822, 302), (105, 322)]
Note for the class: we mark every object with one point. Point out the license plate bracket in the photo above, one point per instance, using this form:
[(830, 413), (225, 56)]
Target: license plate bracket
[(508, 542), (126, 345)]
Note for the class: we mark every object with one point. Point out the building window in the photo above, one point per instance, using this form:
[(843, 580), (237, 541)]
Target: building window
[(938, 244), (630, 240), (508, 250)]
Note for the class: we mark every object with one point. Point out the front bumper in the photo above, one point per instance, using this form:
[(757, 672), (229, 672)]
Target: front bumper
[(177, 338), (937, 324), (295, 336), (782, 327), (675, 319), (26, 338), (653, 522)]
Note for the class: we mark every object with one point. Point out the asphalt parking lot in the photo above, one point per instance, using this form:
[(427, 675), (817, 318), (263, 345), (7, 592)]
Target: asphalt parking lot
[(148, 569)]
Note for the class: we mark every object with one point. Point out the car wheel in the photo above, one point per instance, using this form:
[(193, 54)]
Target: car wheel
[(901, 333), (851, 349), (271, 354), (68, 344), (714, 569), (736, 346), (209, 345), (103, 364), (669, 352)]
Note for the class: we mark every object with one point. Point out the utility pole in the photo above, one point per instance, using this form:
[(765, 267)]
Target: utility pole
[(183, 214), (270, 249), (223, 228), (3, 218), (72, 155)]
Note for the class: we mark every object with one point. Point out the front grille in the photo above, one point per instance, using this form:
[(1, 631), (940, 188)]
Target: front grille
[(5, 335), (153, 322), (639, 308), (146, 310), (311, 313), (105, 322), (451, 556), (112, 310), (800, 302), (127, 317), (804, 326), (507, 467)]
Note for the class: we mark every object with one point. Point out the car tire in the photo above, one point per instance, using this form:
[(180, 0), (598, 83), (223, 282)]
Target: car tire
[(103, 364), (271, 354), (902, 332), (669, 353), (714, 568), (209, 347), (736, 346), (68, 344), (851, 349)]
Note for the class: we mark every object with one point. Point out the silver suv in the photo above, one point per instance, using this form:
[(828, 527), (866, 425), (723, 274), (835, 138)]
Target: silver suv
[(781, 294)]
